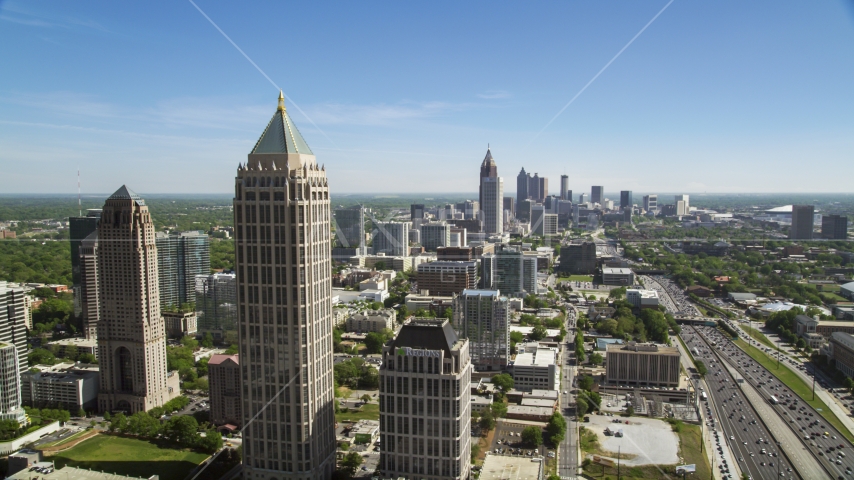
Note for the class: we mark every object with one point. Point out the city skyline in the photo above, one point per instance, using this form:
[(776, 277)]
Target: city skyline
[(702, 85)]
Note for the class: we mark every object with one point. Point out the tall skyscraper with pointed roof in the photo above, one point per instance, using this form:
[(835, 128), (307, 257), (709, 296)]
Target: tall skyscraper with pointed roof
[(283, 263), (488, 169), (491, 195), (131, 331)]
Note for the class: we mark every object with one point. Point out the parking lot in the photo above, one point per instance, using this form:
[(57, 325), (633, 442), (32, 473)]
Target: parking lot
[(508, 439)]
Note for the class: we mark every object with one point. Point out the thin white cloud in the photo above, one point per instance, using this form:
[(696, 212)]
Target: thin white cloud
[(171, 113), (31, 22), (379, 114), (494, 94), (16, 14)]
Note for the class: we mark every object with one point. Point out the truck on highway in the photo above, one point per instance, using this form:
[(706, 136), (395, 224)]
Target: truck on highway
[(774, 400)]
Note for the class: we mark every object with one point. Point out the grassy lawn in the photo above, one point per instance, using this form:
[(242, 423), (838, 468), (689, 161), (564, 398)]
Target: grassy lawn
[(689, 450), (793, 381), (577, 278), (370, 411), (759, 336), (834, 296), (589, 441), (130, 456)]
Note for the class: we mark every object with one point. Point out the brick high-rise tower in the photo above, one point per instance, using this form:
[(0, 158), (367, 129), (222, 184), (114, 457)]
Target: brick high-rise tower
[(284, 301), (131, 331)]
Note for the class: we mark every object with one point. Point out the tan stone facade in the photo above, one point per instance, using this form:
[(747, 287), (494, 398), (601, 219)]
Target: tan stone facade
[(283, 247), (131, 332)]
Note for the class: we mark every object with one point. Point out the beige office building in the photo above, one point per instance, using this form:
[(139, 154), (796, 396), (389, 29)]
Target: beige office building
[(283, 247), (131, 331), (642, 364), (425, 411)]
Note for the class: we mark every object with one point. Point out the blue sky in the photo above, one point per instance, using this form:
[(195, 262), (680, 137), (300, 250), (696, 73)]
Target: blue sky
[(724, 96)]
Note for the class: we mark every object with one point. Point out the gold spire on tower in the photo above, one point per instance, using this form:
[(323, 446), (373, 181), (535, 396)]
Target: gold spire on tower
[(281, 102)]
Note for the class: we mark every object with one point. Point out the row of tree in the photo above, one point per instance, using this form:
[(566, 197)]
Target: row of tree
[(182, 430), (355, 373)]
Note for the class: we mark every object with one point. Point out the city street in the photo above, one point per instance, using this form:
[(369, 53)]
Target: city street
[(568, 451)]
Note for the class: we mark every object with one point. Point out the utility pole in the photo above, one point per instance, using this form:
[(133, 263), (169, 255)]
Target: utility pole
[(619, 447)]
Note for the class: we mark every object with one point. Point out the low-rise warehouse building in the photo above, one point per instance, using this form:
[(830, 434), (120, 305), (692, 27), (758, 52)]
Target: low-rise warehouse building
[(501, 467), (66, 384), (618, 276), (642, 298), (372, 321), (534, 414)]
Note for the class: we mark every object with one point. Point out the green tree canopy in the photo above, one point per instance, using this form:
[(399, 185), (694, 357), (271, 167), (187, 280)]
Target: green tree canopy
[(503, 381), (532, 436)]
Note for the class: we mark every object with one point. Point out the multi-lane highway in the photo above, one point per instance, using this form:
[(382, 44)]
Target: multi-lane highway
[(735, 419), (832, 450)]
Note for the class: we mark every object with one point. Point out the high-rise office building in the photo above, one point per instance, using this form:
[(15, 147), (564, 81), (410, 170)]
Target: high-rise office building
[(523, 210), (131, 330), (435, 235), (224, 378), (834, 227), (416, 211), (509, 271), (10, 379), (488, 169), (78, 229), (538, 187), (578, 257), (392, 238), (483, 317), (350, 228), (522, 186), (444, 278), (180, 257), (650, 203), (597, 194), (803, 218), (87, 292), (683, 206), (425, 403), (565, 192), (625, 199), (283, 261), (537, 213), (13, 319), (582, 198), (216, 306), (510, 206), (492, 194)]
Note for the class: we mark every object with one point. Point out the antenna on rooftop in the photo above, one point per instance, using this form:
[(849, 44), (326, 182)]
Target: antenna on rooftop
[(79, 204)]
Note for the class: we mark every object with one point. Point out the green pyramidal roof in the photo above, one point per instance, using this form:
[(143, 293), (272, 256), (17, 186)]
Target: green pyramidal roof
[(281, 135)]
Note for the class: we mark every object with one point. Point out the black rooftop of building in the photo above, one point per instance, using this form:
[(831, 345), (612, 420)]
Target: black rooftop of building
[(426, 334)]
